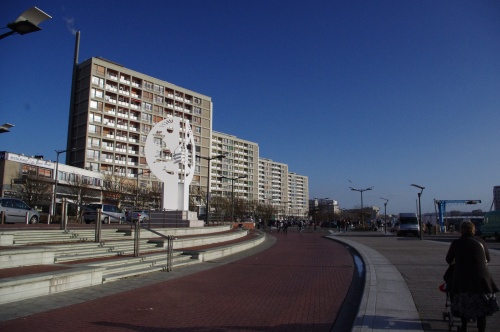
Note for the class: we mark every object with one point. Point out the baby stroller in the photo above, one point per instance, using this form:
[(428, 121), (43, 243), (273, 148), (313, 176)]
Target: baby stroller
[(448, 313)]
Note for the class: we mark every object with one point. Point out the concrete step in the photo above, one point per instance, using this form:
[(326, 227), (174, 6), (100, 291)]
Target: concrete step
[(56, 236), (97, 272), (147, 266), (104, 251)]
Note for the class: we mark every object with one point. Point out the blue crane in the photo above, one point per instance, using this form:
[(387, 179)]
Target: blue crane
[(442, 207)]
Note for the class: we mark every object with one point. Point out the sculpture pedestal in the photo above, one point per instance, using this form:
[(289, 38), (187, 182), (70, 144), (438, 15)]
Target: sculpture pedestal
[(175, 219), (189, 216)]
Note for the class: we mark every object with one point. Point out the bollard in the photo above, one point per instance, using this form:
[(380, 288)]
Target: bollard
[(137, 237), (27, 218), (98, 225), (64, 214), (2, 217)]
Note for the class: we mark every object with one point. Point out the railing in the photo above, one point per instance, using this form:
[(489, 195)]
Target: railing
[(136, 224)]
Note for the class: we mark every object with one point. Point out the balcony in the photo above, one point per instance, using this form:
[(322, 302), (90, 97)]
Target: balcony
[(110, 100), (111, 88)]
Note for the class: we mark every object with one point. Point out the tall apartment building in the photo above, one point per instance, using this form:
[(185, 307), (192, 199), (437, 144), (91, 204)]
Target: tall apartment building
[(298, 194), (114, 108), (273, 185), (241, 161)]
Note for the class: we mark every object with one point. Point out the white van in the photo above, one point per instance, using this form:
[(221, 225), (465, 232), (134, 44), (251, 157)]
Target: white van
[(408, 224)]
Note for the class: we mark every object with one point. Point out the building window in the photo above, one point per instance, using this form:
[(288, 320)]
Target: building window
[(147, 117), (98, 81), (159, 88), (92, 154), (99, 70), (45, 173), (94, 142), (29, 170), (96, 93)]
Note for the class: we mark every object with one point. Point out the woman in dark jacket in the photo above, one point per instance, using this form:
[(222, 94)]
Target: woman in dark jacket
[(471, 283)]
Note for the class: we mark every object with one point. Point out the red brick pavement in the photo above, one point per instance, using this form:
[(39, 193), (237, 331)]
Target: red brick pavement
[(298, 284)]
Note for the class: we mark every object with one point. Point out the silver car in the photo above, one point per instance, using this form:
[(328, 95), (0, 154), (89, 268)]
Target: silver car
[(138, 215), (15, 211), (109, 213)]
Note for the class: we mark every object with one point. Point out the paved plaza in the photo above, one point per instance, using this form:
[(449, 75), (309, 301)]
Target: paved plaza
[(300, 281)]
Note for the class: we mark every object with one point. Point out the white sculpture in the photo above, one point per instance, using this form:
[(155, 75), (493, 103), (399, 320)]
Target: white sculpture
[(170, 155)]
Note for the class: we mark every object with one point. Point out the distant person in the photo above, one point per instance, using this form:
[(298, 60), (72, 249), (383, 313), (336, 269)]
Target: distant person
[(285, 227), (429, 227), (472, 284)]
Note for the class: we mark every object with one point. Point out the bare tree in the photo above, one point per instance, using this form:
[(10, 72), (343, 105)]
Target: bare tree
[(240, 208), (153, 197), (265, 211), (35, 190), (115, 188), (82, 193), (221, 206)]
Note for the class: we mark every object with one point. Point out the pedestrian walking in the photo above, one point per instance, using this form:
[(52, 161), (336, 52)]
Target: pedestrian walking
[(279, 225), (472, 285)]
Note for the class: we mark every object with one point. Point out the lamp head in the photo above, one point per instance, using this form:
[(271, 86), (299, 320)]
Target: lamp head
[(417, 186)]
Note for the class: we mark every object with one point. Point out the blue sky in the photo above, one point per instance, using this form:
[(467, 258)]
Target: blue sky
[(379, 93)]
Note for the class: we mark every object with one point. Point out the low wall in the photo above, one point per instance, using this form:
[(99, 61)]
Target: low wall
[(27, 257), (26, 287)]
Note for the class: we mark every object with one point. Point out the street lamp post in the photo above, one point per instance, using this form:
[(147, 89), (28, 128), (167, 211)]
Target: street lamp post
[(385, 213), (5, 128), (232, 192), (419, 208), (361, 191), (54, 202), (27, 22), (207, 204)]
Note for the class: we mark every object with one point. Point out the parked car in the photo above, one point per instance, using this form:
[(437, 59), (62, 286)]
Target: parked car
[(141, 215), (110, 213), (15, 211)]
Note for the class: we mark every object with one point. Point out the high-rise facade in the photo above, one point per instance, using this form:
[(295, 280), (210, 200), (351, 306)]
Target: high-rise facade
[(273, 185), (113, 110), (298, 195), (240, 163)]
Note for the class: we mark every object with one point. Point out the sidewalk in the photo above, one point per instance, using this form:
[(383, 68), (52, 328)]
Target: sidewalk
[(402, 270)]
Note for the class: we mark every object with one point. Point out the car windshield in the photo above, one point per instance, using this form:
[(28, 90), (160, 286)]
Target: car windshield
[(408, 221)]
